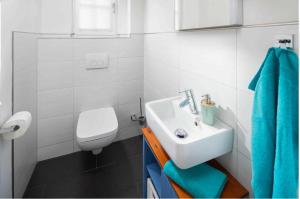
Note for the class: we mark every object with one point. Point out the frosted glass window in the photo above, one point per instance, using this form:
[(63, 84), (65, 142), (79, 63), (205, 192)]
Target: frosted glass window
[(96, 16)]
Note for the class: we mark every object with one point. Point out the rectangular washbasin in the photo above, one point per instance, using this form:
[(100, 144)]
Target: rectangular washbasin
[(186, 139)]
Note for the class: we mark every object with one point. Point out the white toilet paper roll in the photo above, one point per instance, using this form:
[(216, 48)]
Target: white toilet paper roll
[(20, 122)]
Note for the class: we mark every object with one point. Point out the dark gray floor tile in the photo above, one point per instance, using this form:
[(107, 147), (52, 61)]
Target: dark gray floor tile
[(140, 189), (120, 151), (54, 169), (129, 192), (90, 184), (116, 172), (35, 192)]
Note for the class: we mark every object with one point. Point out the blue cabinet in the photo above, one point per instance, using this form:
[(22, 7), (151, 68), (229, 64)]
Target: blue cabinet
[(152, 169)]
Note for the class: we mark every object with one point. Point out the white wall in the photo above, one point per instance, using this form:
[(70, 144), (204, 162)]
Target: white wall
[(25, 99), (66, 88), (159, 16), (19, 15), (56, 16), (219, 62), (264, 11)]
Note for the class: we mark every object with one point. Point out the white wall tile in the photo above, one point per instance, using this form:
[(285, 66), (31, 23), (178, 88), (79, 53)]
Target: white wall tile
[(159, 16), (75, 122), (253, 45), (161, 65), (164, 48), (131, 47), (161, 77), (82, 47), (21, 16), (230, 162), (55, 130), (51, 50), (130, 92), (55, 103), (25, 98), (102, 77), (151, 93), (211, 54), (55, 75), (244, 110), (244, 172), (129, 69), (25, 51), (25, 175), (124, 114), (56, 150), (128, 132), (87, 98), (76, 146), (264, 11)]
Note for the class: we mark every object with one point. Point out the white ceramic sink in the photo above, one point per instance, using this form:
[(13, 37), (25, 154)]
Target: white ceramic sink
[(202, 143)]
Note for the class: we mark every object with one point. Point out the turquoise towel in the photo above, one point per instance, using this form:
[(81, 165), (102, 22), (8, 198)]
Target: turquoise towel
[(202, 181), (275, 126)]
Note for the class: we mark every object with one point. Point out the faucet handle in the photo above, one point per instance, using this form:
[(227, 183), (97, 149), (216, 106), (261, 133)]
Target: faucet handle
[(185, 91)]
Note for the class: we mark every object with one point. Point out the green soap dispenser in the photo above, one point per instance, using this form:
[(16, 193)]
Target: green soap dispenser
[(208, 109)]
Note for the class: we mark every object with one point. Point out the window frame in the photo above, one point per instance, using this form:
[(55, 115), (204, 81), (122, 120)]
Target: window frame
[(97, 32)]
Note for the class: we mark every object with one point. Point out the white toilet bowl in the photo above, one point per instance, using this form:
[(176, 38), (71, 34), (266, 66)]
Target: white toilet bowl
[(96, 129)]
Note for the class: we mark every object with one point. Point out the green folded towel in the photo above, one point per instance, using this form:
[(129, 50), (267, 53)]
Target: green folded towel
[(201, 181)]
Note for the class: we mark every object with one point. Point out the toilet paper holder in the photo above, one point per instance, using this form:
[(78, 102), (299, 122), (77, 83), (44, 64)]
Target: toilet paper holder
[(16, 126), (9, 130)]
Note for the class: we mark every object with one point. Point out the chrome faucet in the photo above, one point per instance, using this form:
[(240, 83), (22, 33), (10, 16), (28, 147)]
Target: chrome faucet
[(190, 100)]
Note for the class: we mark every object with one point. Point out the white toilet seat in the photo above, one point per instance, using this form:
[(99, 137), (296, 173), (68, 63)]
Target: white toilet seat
[(96, 124), (96, 129)]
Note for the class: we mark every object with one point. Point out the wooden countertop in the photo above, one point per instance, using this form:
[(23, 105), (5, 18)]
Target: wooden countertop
[(232, 189)]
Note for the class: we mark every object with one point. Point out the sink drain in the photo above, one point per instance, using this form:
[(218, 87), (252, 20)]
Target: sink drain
[(181, 133)]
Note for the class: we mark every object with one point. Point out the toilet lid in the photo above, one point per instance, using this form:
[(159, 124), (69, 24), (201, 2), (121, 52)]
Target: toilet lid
[(96, 124)]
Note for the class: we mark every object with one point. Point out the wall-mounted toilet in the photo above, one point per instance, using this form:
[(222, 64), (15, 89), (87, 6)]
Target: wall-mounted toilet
[(96, 129)]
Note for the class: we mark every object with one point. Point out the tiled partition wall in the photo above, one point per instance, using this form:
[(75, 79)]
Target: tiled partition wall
[(25, 98), (66, 88), (218, 62)]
